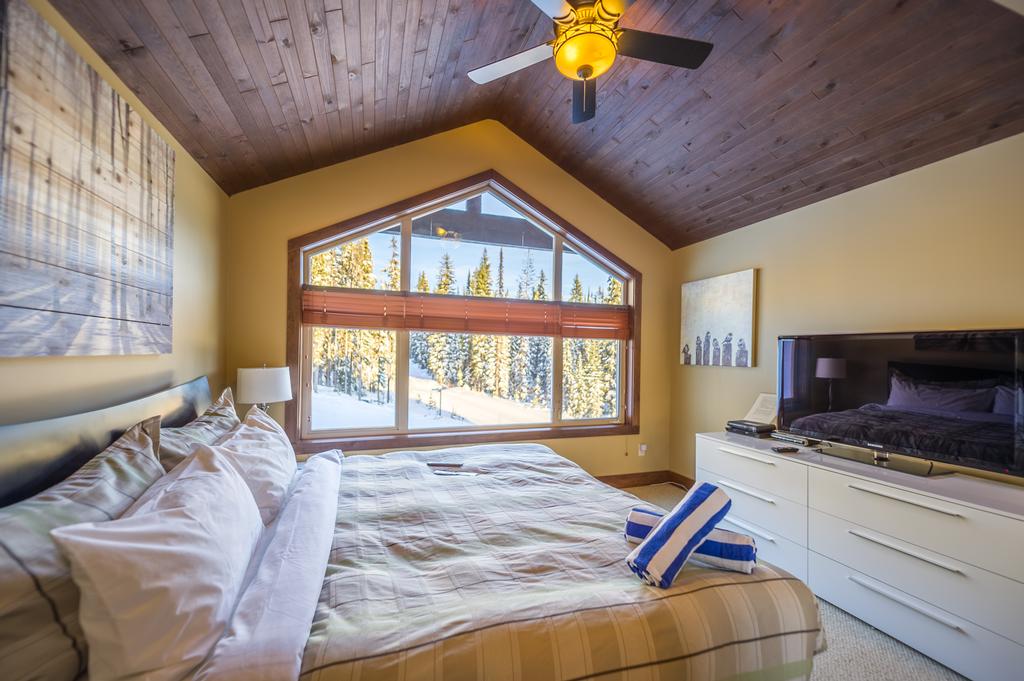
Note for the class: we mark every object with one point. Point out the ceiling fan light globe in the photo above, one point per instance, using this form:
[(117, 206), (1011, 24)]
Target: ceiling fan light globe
[(577, 50)]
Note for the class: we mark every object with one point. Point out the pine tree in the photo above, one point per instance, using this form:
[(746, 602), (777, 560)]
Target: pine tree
[(482, 347), (501, 292), (524, 289), (614, 294), (386, 348), (393, 272), (439, 345), (540, 292), (367, 346), (610, 355), (423, 284), (590, 367), (501, 343), (520, 381), (576, 293), (325, 270), (538, 365), (572, 363), (418, 339), (445, 276)]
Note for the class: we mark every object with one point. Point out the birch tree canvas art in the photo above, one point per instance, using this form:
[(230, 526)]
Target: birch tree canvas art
[(717, 325), (86, 205)]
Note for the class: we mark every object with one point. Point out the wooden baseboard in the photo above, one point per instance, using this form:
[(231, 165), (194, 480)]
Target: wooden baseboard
[(646, 478), (680, 479)]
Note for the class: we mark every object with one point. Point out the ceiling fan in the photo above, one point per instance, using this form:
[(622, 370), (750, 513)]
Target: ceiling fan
[(587, 40)]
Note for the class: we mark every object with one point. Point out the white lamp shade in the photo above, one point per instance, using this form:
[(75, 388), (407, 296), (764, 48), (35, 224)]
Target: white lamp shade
[(830, 367), (264, 385)]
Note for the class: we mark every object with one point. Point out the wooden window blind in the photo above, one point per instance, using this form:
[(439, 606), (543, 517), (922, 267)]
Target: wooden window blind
[(355, 308)]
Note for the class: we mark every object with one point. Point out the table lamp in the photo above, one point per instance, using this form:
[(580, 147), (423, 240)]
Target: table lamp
[(830, 368), (264, 385)]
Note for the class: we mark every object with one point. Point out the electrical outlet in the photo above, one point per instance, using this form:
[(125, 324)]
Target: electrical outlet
[(643, 450)]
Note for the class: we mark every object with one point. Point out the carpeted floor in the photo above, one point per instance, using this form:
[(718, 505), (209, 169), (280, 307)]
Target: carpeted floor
[(856, 651)]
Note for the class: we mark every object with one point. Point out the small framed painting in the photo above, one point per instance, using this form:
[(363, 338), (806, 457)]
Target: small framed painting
[(717, 325)]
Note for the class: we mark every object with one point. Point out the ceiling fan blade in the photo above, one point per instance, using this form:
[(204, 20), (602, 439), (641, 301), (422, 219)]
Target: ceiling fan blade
[(509, 65), (554, 8), (584, 100), (664, 49)]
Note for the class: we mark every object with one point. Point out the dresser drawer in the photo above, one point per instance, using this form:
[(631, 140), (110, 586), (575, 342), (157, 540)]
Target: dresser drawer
[(776, 514), (955, 642), (991, 601), (770, 473), (975, 537), (771, 548)]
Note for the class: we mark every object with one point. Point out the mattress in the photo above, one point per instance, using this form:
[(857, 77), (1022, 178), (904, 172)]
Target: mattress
[(518, 572)]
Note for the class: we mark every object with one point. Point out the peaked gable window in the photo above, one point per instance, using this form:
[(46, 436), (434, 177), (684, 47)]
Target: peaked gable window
[(467, 314)]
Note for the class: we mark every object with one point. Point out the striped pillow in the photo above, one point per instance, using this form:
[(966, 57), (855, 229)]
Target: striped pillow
[(218, 420), (40, 637), (661, 555), (721, 549)]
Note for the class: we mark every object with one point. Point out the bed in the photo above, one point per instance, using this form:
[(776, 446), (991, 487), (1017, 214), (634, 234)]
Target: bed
[(984, 438), (514, 573)]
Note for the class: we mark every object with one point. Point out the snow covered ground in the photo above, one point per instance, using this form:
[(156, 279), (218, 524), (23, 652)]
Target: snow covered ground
[(331, 410), (468, 407), (459, 407)]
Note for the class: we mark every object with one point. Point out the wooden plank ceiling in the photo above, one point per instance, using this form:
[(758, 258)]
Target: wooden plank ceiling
[(798, 101)]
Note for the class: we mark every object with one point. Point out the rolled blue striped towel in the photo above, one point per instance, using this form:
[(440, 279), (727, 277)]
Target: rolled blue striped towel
[(661, 555), (721, 549)]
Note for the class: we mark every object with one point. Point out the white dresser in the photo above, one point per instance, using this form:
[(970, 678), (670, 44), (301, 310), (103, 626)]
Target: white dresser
[(937, 563)]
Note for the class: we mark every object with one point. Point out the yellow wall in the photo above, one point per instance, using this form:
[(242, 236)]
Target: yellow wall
[(261, 221), (940, 247), (41, 387)]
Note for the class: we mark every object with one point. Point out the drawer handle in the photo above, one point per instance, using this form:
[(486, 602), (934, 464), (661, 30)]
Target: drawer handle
[(751, 530), (744, 490), (900, 549), (743, 455), (906, 501), (927, 612)]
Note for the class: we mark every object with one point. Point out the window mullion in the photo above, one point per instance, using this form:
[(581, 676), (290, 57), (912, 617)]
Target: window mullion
[(402, 380), (556, 342), (406, 254), (305, 380), (556, 269), (402, 337), (556, 380)]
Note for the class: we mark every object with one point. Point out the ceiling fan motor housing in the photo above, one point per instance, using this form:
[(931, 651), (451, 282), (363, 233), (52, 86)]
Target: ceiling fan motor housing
[(586, 42)]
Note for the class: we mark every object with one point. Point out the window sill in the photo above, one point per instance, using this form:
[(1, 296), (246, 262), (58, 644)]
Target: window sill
[(462, 437)]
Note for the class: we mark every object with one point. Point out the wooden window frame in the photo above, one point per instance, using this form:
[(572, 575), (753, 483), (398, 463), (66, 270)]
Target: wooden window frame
[(299, 250)]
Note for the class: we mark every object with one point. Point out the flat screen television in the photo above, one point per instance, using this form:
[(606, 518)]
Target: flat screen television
[(954, 396)]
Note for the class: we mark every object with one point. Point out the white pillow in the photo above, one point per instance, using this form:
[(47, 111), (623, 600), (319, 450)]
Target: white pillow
[(261, 452), (268, 631), (159, 586)]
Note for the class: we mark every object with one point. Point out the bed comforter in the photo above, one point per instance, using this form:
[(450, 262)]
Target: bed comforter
[(518, 573), (967, 438)]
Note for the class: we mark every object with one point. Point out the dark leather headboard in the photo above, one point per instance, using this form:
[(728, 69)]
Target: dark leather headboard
[(37, 455), (943, 372)]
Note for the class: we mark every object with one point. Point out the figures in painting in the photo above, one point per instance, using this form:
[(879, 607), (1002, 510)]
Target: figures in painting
[(742, 358), (712, 352)]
